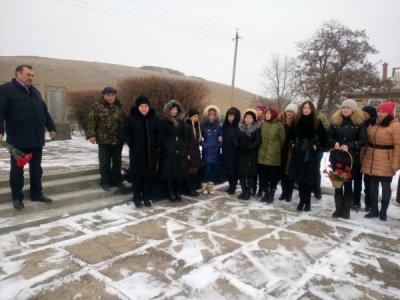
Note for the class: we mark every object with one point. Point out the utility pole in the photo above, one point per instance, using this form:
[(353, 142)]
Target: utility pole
[(236, 39)]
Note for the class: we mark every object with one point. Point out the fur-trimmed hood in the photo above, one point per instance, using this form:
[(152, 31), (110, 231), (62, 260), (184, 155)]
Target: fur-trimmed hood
[(167, 107), (207, 109), (248, 129), (232, 111), (357, 118)]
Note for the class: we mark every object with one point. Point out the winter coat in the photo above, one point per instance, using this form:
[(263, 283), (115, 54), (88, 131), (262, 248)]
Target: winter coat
[(305, 161), (286, 152), (273, 138), (229, 133), (142, 133), (174, 144), (378, 160), (194, 144), (106, 122), (247, 141), (211, 146), (25, 115), (348, 131)]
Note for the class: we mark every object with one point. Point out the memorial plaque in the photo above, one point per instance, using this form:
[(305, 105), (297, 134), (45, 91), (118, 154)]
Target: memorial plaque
[(55, 97)]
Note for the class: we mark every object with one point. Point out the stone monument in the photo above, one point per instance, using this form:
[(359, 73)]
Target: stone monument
[(56, 104)]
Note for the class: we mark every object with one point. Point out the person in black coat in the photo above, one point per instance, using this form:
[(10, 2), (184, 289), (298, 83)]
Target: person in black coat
[(347, 135), (25, 115), (175, 148), (247, 141), (229, 132), (142, 133), (370, 115), (194, 151), (305, 138)]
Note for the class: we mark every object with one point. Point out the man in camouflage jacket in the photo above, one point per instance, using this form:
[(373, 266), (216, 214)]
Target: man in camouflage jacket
[(105, 122)]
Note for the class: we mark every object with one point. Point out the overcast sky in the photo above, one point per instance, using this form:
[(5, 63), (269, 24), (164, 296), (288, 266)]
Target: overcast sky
[(194, 37)]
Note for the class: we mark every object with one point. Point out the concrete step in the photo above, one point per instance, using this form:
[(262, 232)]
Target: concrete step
[(72, 193), (54, 176), (58, 185), (44, 213)]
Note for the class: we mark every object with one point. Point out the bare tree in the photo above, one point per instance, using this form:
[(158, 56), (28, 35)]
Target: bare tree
[(334, 62), (280, 81)]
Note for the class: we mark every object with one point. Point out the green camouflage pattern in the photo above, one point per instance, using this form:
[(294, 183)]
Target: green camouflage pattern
[(105, 122)]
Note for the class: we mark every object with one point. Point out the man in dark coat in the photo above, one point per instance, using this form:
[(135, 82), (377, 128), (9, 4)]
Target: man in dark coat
[(26, 117), (142, 133)]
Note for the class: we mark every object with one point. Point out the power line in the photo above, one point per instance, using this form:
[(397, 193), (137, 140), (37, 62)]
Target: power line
[(109, 10)]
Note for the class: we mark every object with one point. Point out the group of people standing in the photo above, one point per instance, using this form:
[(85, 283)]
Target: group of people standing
[(259, 148)]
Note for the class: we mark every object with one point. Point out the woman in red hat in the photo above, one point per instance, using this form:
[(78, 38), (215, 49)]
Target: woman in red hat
[(382, 157)]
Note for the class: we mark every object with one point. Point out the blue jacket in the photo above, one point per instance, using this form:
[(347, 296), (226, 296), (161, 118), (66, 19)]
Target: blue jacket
[(25, 115), (211, 147)]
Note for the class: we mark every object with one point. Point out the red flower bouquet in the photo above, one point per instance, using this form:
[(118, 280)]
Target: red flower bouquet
[(21, 158), (338, 174)]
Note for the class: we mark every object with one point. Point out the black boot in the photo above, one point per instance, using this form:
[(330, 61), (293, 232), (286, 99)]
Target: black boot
[(147, 202), (243, 186), (347, 202), (137, 200), (339, 206), (171, 192), (250, 183), (232, 185), (271, 195), (307, 204), (367, 203), (191, 188), (300, 206), (266, 194), (178, 190), (253, 187), (289, 191), (373, 212), (260, 192), (284, 190), (382, 213), (247, 194)]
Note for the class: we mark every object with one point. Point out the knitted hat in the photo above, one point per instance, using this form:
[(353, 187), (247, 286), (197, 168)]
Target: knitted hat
[(349, 103), (261, 106), (274, 114), (109, 90), (292, 107), (192, 112), (370, 110), (388, 107), (142, 100)]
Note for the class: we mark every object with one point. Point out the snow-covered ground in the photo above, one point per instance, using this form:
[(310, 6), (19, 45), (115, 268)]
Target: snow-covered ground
[(211, 247)]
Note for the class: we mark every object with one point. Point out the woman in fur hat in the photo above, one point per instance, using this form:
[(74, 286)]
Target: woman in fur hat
[(194, 150), (273, 138), (175, 145), (247, 141), (211, 144), (229, 132), (142, 133), (382, 158), (347, 135), (306, 137)]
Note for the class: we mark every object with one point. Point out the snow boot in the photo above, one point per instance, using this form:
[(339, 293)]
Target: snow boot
[(338, 206)]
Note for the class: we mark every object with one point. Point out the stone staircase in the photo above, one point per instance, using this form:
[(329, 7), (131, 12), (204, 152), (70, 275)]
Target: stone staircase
[(72, 193)]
